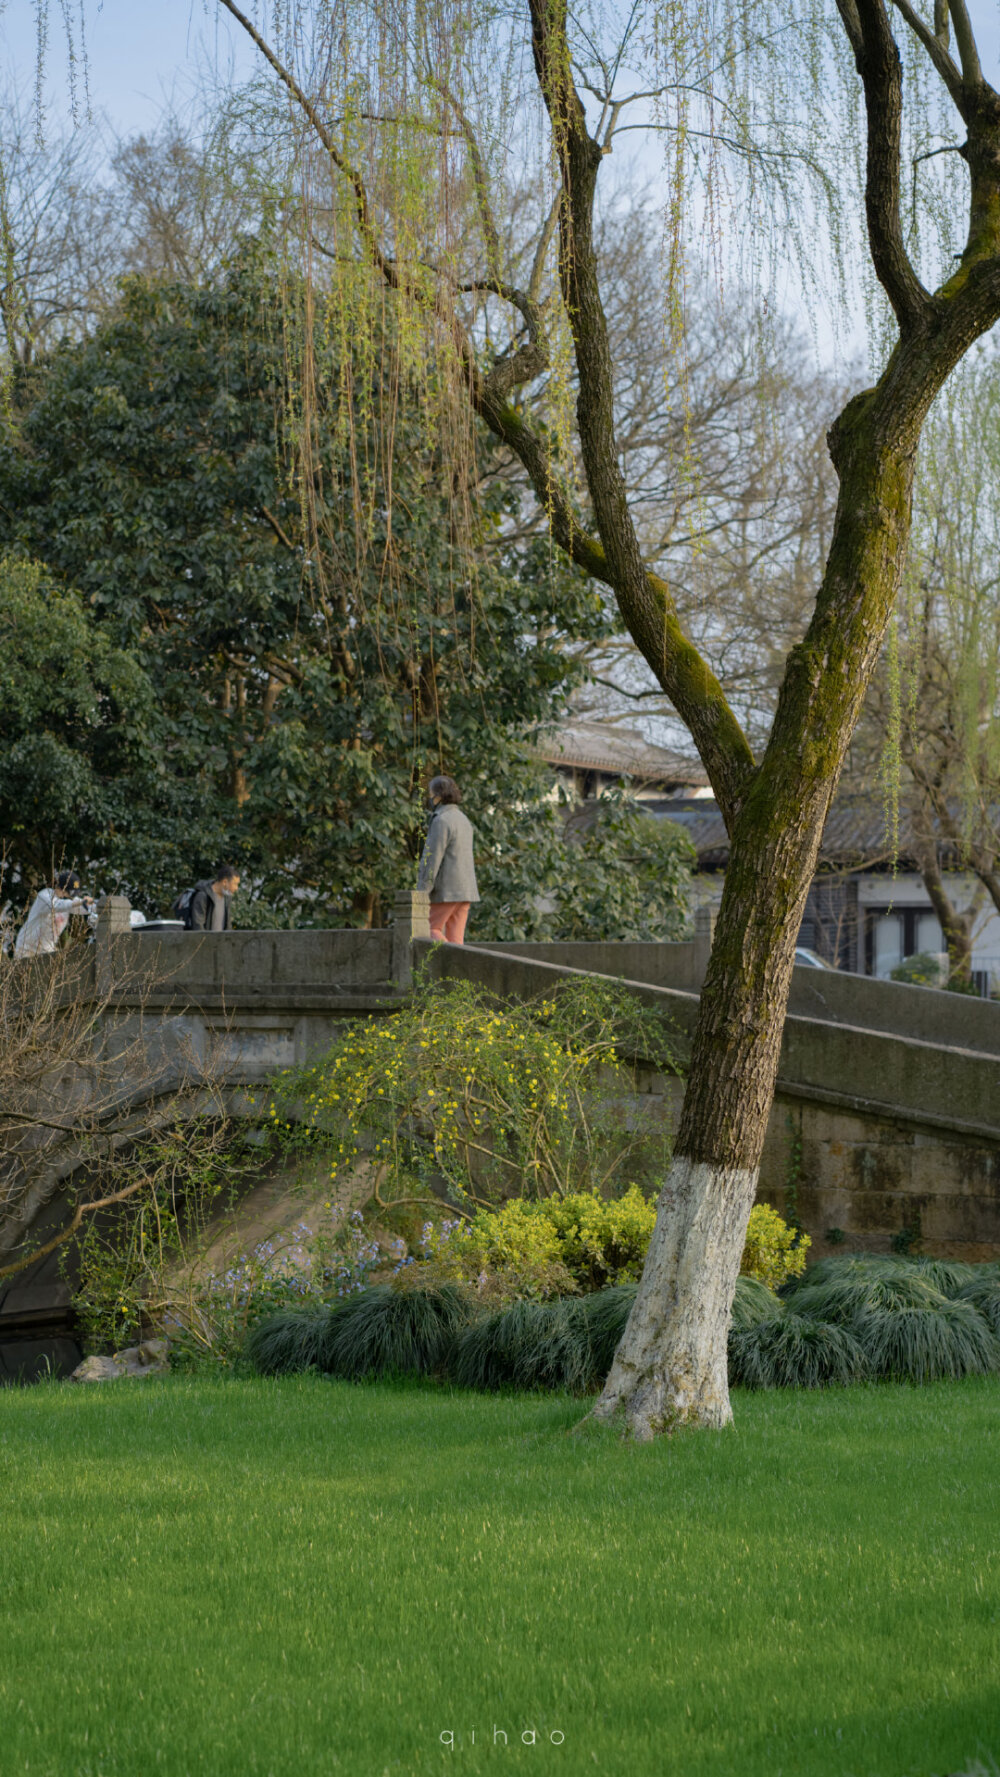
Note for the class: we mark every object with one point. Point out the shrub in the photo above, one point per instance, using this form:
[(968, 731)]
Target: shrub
[(528, 1345), (928, 1344), (511, 1254), (486, 1095), (532, 1250), (535, 1249), (603, 1241), (792, 1351), (773, 1252), (753, 1302)]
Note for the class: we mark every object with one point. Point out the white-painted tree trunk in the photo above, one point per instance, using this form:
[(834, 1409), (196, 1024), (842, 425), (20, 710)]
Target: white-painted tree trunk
[(671, 1364)]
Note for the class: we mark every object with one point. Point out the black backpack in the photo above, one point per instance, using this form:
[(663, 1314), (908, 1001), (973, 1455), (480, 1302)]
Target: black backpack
[(182, 907)]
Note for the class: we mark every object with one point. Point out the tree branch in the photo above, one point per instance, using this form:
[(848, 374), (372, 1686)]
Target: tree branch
[(644, 600), (82, 1209), (878, 63), (972, 72), (936, 47)]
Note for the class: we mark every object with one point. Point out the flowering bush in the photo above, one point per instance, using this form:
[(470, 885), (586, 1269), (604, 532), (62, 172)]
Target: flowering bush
[(484, 1096)]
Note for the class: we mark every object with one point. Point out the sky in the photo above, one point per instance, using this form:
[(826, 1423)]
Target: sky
[(142, 55)]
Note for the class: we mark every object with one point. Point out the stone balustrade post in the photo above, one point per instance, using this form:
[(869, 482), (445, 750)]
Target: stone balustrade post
[(114, 921), (411, 918)]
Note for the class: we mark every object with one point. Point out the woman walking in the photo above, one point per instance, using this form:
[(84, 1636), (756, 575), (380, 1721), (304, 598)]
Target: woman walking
[(447, 869)]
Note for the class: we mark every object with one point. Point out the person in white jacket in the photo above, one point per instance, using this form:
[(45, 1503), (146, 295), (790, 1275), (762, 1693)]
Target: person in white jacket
[(49, 915)]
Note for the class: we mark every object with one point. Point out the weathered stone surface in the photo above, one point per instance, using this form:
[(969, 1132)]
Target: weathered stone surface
[(149, 1359)]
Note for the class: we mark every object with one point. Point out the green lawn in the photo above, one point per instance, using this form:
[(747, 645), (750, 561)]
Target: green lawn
[(304, 1577)]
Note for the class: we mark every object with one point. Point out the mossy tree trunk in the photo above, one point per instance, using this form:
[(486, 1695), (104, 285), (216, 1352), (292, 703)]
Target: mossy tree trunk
[(671, 1364)]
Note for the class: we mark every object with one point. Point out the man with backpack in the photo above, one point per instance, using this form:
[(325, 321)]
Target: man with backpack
[(205, 908)]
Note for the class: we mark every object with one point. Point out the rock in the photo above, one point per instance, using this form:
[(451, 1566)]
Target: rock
[(149, 1359), (95, 1369)]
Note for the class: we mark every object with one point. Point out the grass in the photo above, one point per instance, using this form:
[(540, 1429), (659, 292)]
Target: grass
[(285, 1578)]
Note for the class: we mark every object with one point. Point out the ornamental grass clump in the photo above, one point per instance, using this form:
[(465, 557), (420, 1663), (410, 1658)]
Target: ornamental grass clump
[(984, 1294), (394, 1332), (529, 1345), (928, 1344), (286, 1344), (789, 1350), (382, 1331), (753, 1302), (907, 1326), (567, 1344)]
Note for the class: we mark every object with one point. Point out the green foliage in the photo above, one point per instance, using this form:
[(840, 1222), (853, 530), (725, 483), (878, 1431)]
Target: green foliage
[(773, 1251), (926, 970), (491, 1099), (753, 1301), (321, 627), (545, 1247), (380, 1332), (922, 970), (626, 877), (75, 714), (789, 1350), (176, 1181)]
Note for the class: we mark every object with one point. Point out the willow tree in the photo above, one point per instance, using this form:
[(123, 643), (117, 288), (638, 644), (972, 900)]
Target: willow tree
[(936, 701), (373, 87)]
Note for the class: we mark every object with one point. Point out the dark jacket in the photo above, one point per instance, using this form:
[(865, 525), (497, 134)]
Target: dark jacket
[(201, 906)]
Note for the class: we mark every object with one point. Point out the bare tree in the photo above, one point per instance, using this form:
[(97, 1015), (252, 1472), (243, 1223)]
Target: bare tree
[(84, 1075), (56, 242)]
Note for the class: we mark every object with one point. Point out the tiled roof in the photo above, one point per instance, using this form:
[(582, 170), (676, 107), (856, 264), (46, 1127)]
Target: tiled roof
[(857, 833), (599, 746)]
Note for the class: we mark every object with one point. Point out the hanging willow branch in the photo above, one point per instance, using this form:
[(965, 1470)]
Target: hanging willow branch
[(643, 596)]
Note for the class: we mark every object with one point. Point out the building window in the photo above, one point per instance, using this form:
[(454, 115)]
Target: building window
[(894, 933)]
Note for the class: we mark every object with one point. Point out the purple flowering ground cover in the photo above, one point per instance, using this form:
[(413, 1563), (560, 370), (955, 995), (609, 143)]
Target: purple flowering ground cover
[(205, 1577)]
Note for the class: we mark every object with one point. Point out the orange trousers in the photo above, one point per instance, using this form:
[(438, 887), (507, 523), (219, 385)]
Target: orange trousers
[(448, 921)]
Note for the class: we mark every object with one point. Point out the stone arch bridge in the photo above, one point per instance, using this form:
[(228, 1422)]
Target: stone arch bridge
[(886, 1119)]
